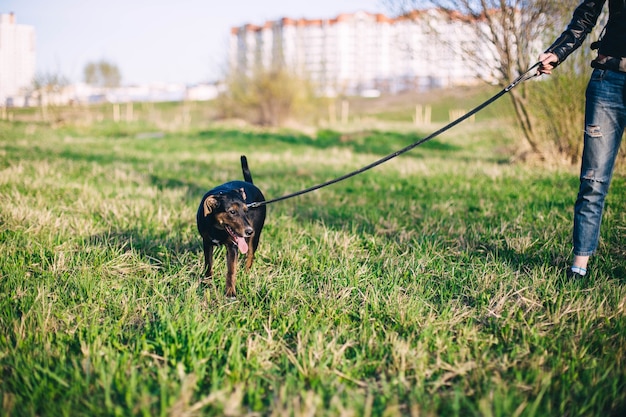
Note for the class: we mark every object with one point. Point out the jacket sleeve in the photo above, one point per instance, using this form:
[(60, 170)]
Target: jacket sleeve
[(584, 19)]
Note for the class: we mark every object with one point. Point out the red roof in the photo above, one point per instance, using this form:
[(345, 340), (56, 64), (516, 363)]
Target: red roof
[(346, 17)]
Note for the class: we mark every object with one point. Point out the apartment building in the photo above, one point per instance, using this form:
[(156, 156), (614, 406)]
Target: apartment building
[(17, 58), (360, 52)]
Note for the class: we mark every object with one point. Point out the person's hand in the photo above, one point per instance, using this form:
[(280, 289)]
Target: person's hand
[(548, 62)]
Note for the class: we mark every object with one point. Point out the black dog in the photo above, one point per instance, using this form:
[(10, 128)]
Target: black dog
[(224, 219)]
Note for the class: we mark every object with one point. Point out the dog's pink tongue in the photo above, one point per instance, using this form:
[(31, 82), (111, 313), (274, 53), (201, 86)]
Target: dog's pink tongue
[(241, 244)]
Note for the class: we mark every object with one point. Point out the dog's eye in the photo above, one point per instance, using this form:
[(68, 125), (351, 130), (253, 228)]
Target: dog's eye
[(232, 211)]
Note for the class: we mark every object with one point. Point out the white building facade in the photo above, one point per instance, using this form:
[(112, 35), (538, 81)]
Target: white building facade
[(358, 52), (17, 58)]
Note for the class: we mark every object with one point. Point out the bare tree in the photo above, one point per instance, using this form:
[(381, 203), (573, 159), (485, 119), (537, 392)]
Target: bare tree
[(513, 30), (273, 95), (102, 74), (48, 88)]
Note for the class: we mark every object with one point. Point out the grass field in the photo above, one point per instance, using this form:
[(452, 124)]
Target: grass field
[(431, 285)]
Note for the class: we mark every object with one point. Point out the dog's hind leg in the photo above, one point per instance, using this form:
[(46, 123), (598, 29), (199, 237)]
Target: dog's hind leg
[(207, 245), (232, 253), (254, 243)]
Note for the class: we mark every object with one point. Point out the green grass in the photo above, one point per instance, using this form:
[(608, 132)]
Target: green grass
[(431, 285)]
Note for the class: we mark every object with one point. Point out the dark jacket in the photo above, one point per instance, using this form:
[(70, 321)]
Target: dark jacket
[(585, 17)]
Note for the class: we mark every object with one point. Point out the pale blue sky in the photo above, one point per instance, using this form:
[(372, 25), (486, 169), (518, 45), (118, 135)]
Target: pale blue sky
[(155, 40)]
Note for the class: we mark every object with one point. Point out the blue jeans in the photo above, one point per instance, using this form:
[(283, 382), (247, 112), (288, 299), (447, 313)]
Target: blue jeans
[(605, 119)]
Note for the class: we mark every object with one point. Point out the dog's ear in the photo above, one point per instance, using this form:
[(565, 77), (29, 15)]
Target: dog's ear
[(210, 203), (243, 193)]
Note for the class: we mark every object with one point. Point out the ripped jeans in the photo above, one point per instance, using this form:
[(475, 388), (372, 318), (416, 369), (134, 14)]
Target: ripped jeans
[(605, 119)]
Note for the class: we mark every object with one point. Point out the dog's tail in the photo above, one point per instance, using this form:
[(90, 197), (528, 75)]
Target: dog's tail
[(246, 171)]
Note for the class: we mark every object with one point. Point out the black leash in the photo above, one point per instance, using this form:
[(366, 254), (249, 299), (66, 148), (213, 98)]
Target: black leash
[(522, 77)]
